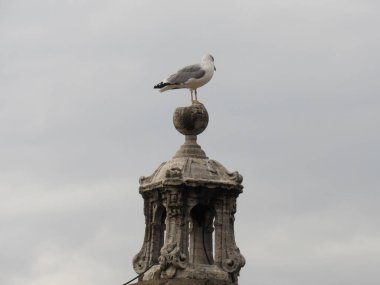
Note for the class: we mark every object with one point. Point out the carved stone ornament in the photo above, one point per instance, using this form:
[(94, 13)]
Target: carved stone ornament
[(170, 260)]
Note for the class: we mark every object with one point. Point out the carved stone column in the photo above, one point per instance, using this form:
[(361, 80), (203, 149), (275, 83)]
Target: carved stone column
[(172, 256), (229, 257)]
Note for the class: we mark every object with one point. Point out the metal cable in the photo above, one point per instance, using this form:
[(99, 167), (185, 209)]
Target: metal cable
[(138, 276)]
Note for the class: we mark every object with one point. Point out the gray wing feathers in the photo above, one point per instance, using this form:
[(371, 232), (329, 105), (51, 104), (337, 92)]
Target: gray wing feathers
[(191, 68), (186, 73)]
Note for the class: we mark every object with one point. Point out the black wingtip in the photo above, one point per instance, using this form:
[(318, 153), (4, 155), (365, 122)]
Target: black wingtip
[(161, 85)]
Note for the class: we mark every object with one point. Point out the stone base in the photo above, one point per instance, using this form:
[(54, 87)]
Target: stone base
[(184, 282), (192, 271)]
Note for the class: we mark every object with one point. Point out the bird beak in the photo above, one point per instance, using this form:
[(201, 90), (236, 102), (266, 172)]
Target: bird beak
[(214, 68)]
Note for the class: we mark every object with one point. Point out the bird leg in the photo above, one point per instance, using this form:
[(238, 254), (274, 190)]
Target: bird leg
[(191, 93), (196, 98)]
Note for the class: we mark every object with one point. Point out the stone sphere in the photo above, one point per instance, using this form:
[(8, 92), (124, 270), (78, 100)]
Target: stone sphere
[(191, 120)]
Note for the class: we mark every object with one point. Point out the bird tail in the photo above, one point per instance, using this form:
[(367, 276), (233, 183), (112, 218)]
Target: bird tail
[(161, 85)]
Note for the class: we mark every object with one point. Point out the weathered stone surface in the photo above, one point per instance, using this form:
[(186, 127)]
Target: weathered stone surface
[(192, 171), (191, 120), (184, 282), (189, 208)]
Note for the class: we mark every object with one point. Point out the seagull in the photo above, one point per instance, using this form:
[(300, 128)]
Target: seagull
[(191, 77)]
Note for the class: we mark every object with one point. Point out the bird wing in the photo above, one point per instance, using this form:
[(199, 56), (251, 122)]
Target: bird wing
[(183, 75)]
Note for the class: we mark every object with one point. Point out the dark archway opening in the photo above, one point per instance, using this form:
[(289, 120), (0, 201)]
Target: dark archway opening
[(201, 234), (158, 233)]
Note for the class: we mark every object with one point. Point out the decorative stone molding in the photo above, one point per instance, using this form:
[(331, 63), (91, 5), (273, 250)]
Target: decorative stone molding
[(192, 171)]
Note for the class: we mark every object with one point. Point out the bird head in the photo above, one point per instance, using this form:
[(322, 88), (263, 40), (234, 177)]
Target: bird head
[(209, 57)]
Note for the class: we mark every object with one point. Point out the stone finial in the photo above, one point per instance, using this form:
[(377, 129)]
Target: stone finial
[(191, 120)]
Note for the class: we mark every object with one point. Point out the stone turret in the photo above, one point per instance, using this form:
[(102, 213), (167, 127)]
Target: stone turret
[(189, 207)]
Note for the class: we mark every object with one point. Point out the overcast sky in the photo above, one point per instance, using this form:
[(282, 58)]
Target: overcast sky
[(293, 106)]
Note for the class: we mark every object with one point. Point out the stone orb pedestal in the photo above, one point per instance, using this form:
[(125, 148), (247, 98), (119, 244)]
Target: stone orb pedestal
[(191, 120)]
